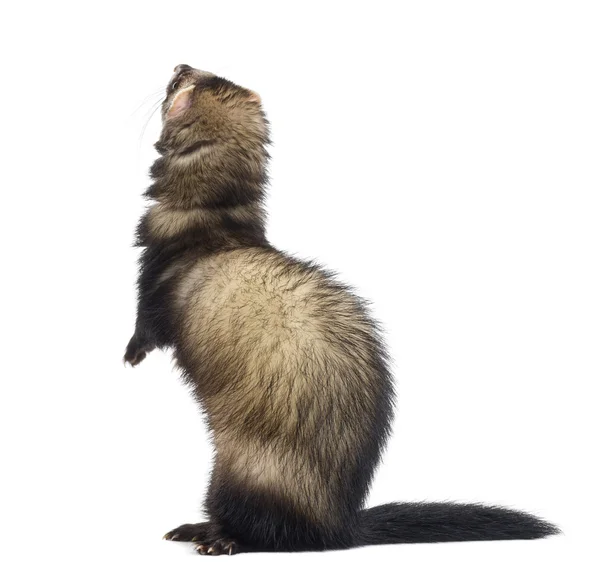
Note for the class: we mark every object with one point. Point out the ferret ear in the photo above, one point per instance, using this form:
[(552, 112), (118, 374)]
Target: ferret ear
[(254, 97)]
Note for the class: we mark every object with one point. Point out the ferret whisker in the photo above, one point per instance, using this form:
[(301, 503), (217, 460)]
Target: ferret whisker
[(149, 97), (155, 108)]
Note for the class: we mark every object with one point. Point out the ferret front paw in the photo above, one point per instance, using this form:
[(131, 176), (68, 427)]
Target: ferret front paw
[(136, 352)]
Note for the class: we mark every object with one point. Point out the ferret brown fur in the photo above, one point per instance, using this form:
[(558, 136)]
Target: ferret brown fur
[(284, 360)]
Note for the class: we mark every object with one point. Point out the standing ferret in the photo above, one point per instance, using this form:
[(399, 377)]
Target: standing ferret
[(284, 360)]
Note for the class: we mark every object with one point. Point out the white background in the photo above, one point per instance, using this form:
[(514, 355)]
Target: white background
[(443, 156)]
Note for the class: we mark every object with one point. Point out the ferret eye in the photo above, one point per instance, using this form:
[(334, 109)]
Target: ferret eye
[(174, 85)]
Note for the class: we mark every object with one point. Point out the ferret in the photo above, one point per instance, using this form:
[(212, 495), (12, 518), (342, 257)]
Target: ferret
[(284, 360)]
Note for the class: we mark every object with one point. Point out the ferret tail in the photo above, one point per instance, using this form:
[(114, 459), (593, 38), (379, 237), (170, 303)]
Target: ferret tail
[(444, 522)]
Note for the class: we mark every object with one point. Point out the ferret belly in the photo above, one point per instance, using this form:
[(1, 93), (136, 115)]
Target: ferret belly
[(281, 363)]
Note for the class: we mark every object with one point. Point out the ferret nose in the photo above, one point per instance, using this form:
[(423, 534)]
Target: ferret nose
[(182, 68)]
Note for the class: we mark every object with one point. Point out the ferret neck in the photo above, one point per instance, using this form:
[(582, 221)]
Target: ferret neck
[(192, 207)]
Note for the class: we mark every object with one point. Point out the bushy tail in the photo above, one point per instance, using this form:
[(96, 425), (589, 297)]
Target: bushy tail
[(443, 522)]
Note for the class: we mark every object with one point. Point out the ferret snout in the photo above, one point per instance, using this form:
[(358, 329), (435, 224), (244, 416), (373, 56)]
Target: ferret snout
[(182, 68)]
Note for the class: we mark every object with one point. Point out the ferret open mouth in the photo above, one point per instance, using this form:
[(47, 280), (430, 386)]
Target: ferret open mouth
[(181, 101)]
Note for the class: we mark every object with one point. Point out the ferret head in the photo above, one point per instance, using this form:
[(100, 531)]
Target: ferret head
[(203, 110), (213, 140)]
